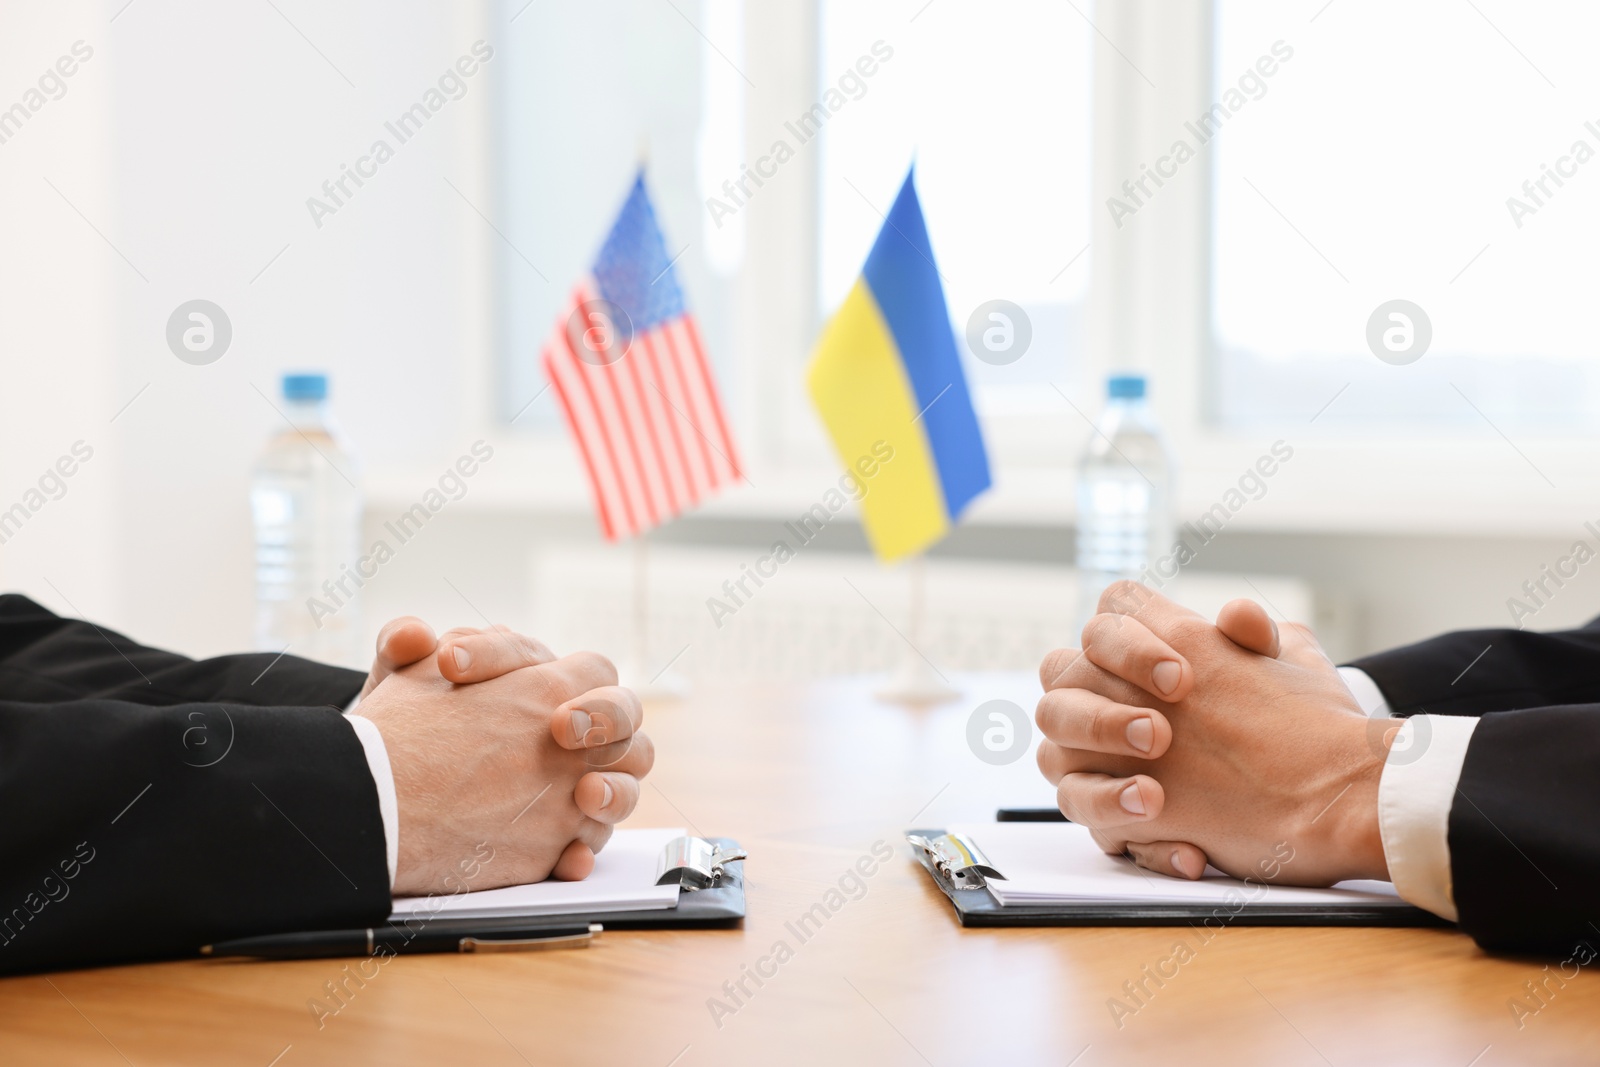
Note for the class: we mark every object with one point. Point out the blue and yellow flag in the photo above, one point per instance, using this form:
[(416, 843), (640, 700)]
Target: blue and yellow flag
[(887, 381)]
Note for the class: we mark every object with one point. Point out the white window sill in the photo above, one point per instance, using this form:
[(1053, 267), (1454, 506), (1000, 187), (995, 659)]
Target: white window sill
[(1451, 488)]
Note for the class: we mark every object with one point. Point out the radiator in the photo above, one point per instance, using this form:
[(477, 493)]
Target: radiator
[(820, 614)]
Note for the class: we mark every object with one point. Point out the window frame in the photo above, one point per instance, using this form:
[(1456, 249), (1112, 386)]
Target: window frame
[(1150, 299), (1148, 309)]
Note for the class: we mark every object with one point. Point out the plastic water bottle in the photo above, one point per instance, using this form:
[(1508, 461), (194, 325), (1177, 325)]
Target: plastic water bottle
[(1124, 497), (307, 514)]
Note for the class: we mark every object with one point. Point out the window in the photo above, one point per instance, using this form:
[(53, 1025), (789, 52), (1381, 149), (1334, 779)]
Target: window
[(574, 123), (1407, 151), (993, 104)]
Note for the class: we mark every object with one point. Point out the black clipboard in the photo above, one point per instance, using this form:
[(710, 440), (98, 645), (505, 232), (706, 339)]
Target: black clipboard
[(960, 870), (708, 870), (710, 874)]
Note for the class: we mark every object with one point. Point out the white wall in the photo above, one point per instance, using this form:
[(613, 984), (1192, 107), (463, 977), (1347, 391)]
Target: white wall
[(58, 294), (192, 140)]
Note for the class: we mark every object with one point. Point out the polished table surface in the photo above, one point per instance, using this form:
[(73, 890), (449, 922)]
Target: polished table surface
[(808, 779)]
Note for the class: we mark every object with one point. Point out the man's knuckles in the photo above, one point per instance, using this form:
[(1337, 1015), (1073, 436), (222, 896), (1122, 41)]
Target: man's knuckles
[(1105, 631), (1095, 722), (1056, 761), (1189, 630), (1048, 758), (1055, 665), (634, 755), (1126, 597), (579, 672)]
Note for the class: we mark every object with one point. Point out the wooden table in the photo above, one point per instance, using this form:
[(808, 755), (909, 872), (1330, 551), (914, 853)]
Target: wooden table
[(808, 780)]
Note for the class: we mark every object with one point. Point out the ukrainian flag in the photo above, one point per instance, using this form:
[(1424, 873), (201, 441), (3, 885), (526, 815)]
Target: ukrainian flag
[(886, 372)]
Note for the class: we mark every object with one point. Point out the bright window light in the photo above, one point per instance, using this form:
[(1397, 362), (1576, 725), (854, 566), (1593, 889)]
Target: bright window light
[(1386, 161), (992, 102)]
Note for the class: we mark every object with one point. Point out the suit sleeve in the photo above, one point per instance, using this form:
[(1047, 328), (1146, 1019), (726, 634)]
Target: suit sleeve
[(152, 804), (45, 658), (1525, 830), (1524, 817), (1475, 672)]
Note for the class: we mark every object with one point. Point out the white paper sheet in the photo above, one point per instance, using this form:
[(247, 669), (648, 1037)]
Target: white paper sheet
[(1046, 863), (623, 880)]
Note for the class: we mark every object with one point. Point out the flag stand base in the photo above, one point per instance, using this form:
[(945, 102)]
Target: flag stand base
[(916, 685)]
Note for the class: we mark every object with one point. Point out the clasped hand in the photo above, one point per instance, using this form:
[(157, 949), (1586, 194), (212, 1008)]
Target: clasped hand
[(495, 740), (1180, 743)]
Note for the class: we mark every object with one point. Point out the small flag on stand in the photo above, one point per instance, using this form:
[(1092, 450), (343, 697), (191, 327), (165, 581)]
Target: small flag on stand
[(886, 369), (634, 385)]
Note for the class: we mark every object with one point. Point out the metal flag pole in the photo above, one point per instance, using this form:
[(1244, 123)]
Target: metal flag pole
[(917, 683), (652, 683)]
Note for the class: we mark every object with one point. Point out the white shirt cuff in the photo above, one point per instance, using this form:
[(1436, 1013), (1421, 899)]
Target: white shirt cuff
[(1415, 794), (1366, 692), (383, 777)]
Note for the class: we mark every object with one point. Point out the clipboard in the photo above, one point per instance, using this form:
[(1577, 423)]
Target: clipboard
[(709, 872), (961, 871)]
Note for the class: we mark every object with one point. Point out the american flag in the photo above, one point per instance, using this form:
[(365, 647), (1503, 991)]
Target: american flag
[(634, 386)]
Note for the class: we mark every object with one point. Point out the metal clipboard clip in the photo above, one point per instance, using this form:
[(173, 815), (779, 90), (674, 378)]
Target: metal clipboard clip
[(957, 858), (695, 863)]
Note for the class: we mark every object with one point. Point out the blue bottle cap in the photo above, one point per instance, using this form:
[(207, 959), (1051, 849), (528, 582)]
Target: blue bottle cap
[(1125, 387), (305, 387)]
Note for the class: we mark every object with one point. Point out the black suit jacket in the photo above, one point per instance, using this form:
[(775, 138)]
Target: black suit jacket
[(1525, 824), (151, 804)]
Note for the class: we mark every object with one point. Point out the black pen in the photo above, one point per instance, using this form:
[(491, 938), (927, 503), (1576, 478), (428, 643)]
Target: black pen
[(1030, 815), (393, 939)]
